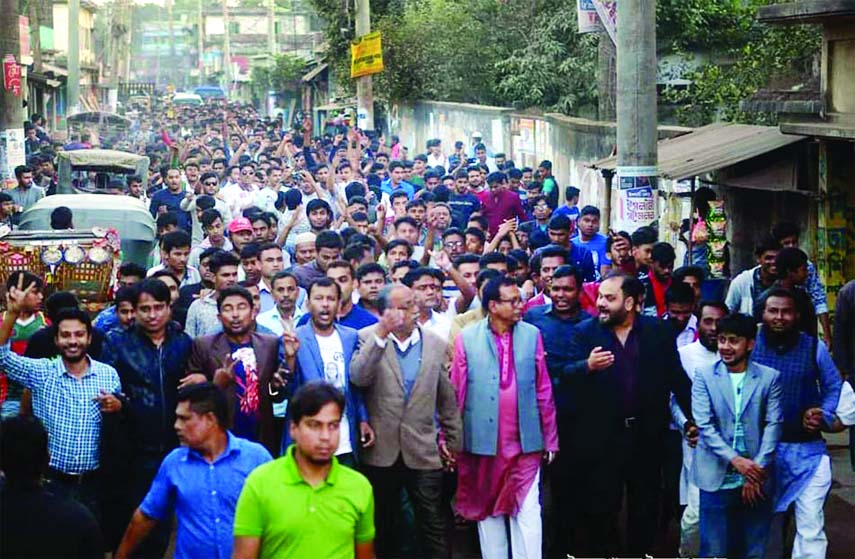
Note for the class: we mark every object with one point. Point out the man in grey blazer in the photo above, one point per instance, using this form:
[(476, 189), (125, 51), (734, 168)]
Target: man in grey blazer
[(403, 371), (736, 404)]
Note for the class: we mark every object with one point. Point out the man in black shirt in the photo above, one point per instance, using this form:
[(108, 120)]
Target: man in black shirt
[(41, 345), (35, 523)]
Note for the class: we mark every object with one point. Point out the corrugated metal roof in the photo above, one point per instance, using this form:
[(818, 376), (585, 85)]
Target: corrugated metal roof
[(712, 147)]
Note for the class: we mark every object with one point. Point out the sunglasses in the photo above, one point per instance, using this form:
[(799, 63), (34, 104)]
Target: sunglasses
[(210, 183)]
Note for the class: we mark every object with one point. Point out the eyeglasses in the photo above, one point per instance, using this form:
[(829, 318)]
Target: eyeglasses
[(514, 302), (249, 173), (454, 244), (210, 183)]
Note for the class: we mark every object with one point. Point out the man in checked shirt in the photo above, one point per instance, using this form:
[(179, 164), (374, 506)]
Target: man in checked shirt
[(69, 396)]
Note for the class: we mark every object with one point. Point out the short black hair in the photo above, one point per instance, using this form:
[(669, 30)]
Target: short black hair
[(28, 279), (480, 220), (712, 303), (415, 275), (59, 300), (739, 324), (206, 398), (126, 294), (492, 291), (311, 397), (399, 242), (492, 258), (175, 239), (324, 282), (611, 240), (549, 251), (250, 250), (789, 260), (680, 293), (453, 231), (477, 233), (23, 449), (486, 275), (154, 288), (684, 272), (645, 235), (589, 210), (405, 219), (782, 292), (560, 222), (328, 239), (784, 229), (74, 313), (369, 268), (466, 259), (630, 286), (663, 253), (221, 259), (61, 218), (165, 220), (232, 291), (131, 269), (568, 271), (282, 275), (411, 264), (766, 243), (571, 192)]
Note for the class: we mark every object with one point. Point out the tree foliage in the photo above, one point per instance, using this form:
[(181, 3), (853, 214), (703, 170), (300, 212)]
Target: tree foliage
[(761, 55), (528, 53), (281, 77)]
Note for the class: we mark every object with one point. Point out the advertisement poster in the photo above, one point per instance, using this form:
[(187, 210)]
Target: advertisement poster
[(366, 56), (637, 187), (607, 10), (12, 152), (586, 14)]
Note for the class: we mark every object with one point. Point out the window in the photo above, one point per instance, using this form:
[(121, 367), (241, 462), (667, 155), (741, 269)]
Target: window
[(234, 28)]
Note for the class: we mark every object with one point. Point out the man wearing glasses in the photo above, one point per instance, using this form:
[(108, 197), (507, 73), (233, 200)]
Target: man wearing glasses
[(509, 426), (241, 195), (426, 284)]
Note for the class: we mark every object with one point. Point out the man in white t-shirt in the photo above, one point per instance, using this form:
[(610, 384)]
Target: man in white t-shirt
[(701, 353), (325, 351)]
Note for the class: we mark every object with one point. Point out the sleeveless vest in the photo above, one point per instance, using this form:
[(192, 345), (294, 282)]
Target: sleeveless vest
[(799, 382), (481, 408)]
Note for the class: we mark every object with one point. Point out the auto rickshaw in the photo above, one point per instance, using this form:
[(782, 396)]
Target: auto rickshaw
[(105, 129), (90, 170), (128, 216)]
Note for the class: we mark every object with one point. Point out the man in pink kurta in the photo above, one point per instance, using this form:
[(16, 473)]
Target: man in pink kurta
[(504, 483)]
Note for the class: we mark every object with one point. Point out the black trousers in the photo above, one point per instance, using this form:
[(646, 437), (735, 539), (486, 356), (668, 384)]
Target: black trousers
[(143, 469), (424, 488), (633, 469)]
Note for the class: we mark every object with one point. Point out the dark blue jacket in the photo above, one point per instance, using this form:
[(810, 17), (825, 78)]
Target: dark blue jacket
[(150, 377)]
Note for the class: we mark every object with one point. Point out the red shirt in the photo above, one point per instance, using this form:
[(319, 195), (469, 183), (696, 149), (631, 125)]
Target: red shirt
[(497, 207)]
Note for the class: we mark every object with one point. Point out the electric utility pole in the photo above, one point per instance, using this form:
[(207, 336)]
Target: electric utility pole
[(11, 107), (636, 112), (73, 58), (364, 87)]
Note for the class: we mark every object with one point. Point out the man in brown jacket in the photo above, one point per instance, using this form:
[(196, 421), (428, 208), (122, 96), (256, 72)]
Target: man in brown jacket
[(246, 366), (403, 372)]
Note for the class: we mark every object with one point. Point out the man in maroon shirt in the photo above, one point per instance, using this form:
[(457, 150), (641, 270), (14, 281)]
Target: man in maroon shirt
[(501, 204)]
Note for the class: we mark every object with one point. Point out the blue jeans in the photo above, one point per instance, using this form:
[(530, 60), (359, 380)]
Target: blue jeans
[(731, 528)]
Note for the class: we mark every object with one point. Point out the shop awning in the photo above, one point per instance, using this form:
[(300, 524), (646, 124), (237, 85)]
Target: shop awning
[(311, 75), (710, 148)]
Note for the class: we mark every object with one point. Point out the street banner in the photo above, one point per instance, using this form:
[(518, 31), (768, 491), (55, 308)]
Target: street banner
[(607, 10), (586, 14), (366, 56), (11, 75), (637, 188)]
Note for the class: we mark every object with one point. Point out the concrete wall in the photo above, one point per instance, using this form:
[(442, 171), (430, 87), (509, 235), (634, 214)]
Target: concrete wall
[(572, 144)]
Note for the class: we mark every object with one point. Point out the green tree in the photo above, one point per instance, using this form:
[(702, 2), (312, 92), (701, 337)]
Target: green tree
[(283, 76)]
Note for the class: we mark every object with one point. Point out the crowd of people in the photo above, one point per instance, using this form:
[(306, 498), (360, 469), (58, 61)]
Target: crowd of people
[(336, 350)]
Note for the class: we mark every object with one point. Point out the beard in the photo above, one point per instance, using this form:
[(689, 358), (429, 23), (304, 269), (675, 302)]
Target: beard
[(612, 318), (73, 358)]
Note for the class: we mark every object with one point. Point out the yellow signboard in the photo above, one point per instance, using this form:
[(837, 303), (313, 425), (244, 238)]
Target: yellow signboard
[(366, 56)]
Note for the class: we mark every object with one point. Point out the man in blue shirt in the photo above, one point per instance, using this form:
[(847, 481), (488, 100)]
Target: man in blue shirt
[(461, 201), (169, 200), (588, 236), (396, 181), (200, 481), (810, 386), (570, 207), (556, 323)]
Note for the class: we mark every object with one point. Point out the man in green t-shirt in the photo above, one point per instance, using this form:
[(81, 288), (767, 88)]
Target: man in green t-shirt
[(306, 504)]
